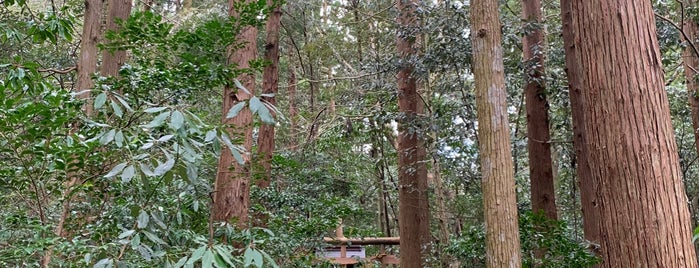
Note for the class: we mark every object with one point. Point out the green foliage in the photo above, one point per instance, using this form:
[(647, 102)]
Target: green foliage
[(536, 232)]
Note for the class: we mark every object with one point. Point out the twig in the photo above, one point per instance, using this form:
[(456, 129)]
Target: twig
[(686, 37)]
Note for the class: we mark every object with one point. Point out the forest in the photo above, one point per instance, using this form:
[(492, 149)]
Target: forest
[(349, 133)]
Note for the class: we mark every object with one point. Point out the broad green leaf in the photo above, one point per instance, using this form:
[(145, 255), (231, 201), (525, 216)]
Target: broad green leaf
[(265, 116), (165, 138), (164, 167), (126, 234), (147, 170), (100, 100), (252, 257), (255, 104), (119, 138), (109, 137), (270, 260), (196, 255), (147, 145), (117, 110), (158, 120), (177, 120), (192, 172), (235, 109), (240, 86), (181, 262), (104, 263), (115, 170), (154, 217), (143, 219), (225, 254), (153, 110), (128, 174), (208, 259), (210, 135), (154, 238), (135, 241), (124, 103)]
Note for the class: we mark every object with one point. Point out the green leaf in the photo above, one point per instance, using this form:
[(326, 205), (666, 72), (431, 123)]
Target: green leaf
[(117, 110), (147, 170), (208, 259), (143, 219), (124, 103), (225, 254), (197, 255), (210, 135), (177, 120), (235, 109), (100, 100), (135, 241), (157, 220), (255, 104), (270, 260), (252, 257), (119, 138), (265, 115), (181, 262), (107, 138), (154, 238), (115, 170), (164, 167), (158, 120), (165, 138), (128, 174), (126, 234), (103, 263), (240, 86), (153, 110)]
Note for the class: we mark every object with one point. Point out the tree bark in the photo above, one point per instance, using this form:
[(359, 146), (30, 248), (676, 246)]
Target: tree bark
[(500, 204), (543, 195), (265, 140), (293, 112), (691, 70), (643, 216), (413, 219), (588, 189), (232, 186), (112, 61)]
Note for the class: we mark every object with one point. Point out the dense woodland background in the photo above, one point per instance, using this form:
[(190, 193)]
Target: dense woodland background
[(115, 148)]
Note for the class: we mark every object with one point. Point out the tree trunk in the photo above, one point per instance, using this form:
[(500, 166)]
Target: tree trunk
[(543, 195), (293, 112), (413, 219), (644, 220), (500, 204), (265, 140), (232, 186), (588, 190), (112, 61), (691, 70)]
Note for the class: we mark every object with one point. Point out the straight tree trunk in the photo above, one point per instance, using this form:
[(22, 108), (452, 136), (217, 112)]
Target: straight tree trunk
[(500, 204), (413, 219), (293, 113), (112, 61), (691, 70), (270, 84), (232, 186), (644, 220), (588, 190), (543, 195)]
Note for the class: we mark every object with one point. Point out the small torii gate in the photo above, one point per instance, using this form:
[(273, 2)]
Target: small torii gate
[(344, 243)]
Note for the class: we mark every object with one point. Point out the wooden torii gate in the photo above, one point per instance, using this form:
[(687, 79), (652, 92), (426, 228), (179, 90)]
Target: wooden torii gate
[(344, 242)]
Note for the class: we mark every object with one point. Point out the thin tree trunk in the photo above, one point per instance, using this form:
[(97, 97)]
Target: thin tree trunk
[(543, 195), (293, 112), (691, 70), (588, 189), (630, 146), (413, 219), (499, 198), (232, 186), (87, 66), (265, 140), (112, 61)]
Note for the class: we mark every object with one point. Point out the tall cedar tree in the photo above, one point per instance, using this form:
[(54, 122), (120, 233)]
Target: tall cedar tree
[(413, 219), (587, 190), (643, 216), (500, 204), (691, 69), (270, 82), (543, 195), (232, 186), (113, 60)]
